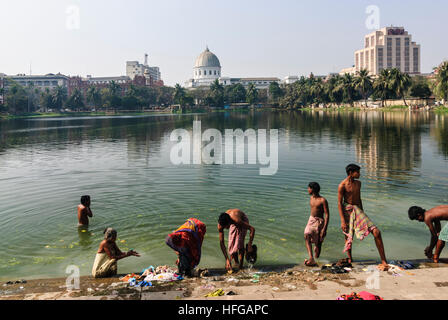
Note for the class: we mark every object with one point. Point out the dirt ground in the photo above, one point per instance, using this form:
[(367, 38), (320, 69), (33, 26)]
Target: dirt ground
[(287, 282)]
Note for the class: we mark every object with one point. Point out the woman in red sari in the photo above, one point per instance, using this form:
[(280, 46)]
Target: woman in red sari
[(186, 241)]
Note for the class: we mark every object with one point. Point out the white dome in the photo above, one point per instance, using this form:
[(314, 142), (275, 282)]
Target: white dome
[(207, 59)]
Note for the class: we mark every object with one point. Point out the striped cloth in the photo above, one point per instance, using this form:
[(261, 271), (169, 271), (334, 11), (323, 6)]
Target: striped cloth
[(359, 225)]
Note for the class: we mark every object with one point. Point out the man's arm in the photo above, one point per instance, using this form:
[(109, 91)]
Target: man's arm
[(223, 248), (341, 190), (360, 198), (434, 236), (327, 218), (89, 212)]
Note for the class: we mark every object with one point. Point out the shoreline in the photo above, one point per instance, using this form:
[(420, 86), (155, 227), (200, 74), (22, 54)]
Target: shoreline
[(440, 109), (285, 282)]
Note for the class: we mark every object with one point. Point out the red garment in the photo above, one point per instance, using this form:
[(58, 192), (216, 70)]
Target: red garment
[(189, 237)]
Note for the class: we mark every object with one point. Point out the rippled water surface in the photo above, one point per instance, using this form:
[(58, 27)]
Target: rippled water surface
[(124, 164)]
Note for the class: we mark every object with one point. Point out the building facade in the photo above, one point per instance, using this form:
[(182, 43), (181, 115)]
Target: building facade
[(48, 81), (387, 48), (207, 69), (134, 68)]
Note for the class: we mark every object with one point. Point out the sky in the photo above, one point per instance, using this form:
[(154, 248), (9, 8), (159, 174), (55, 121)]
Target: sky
[(252, 38)]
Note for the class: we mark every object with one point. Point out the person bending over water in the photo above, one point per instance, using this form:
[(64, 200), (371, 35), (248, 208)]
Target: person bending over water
[(316, 228), (108, 254), (84, 212), (432, 219), (186, 241), (237, 222), (353, 219)]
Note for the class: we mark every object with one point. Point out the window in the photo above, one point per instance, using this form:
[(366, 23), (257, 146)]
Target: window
[(210, 72), (416, 59), (389, 53), (406, 54), (380, 59), (215, 72), (398, 53)]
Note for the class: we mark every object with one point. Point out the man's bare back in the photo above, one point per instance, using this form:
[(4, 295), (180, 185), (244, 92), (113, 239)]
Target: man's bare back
[(351, 191), (439, 213)]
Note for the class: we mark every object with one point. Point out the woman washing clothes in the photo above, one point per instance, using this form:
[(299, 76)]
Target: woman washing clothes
[(108, 254)]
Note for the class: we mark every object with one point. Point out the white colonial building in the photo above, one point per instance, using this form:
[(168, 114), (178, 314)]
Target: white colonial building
[(207, 69)]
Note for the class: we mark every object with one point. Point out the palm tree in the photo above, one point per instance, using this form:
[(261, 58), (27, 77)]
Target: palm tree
[(364, 83), (399, 83), (441, 88), (347, 85), (381, 85), (93, 96), (59, 96), (252, 94), (217, 93), (179, 95)]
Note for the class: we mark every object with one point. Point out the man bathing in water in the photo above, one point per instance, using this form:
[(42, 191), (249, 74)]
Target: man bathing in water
[(84, 212), (432, 219), (237, 222), (316, 228), (353, 219)]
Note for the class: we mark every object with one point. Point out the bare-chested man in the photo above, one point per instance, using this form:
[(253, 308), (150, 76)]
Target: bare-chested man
[(353, 219), (316, 229), (84, 212), (237, 222), (432, 219)]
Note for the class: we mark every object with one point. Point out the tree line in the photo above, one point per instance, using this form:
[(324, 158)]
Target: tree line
[(347, 88), (307, 91), (20, 99)]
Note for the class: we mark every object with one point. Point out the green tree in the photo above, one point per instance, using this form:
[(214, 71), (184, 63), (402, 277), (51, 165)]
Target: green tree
[(76, 100), (113, 96), (216, 96), (93, 97), (59, 97), (364, 83), (381, 85), (252, 94), (441, 87), (399, 83), (16, 99), (180, 95), (347, 86), (235, 93), (275, 92), (420, 88)]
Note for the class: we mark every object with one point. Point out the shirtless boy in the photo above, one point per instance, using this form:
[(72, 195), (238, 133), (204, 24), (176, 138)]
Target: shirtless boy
[(432, 219), (316, 229), (353, 219), (84, 212), (237, 222)]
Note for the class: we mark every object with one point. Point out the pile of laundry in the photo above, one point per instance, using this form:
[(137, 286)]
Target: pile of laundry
[(151, 274), (395, 267), (364, 295)]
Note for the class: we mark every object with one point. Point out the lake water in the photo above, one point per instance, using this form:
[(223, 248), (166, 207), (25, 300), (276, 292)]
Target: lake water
[(124, 164)]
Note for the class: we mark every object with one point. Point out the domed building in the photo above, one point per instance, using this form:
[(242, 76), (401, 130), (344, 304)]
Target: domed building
[(207, 69)]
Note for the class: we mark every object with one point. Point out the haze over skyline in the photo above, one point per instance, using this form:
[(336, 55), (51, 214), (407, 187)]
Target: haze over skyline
[(251, 38)]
